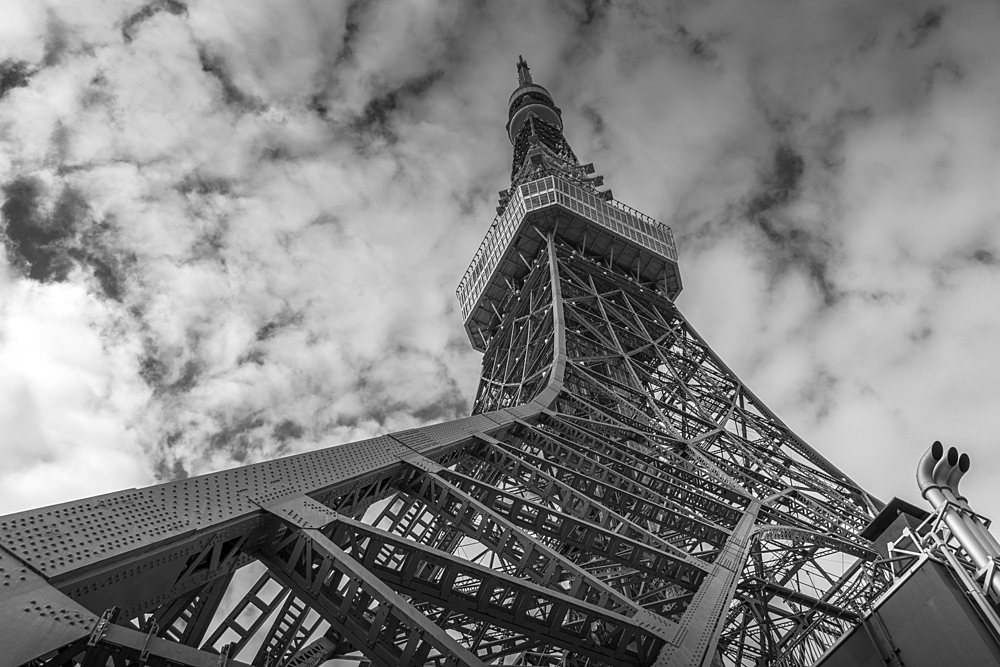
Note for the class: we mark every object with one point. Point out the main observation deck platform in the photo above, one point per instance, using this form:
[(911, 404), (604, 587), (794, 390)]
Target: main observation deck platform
[(579, 216)]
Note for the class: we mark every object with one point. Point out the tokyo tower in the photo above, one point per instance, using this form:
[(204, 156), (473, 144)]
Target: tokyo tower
[(618, 496)]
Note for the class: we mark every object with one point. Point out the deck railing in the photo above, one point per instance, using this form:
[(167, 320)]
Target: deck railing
[(610, 214)]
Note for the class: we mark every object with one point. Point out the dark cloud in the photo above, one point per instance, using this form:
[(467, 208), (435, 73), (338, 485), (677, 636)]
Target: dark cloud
[(178, 471), (130, 25), (165, 472), (594, 11), (107, 267), (987, 257), (98, 93), (152, 369), (928, 23), (317, 103), (167, 466), (283, 320), (696, 47), (820, 391), (56, 40), (780, 183), (60, 143), (232, 95), (790, 245), (14, 74), (201, 184), (157, 370), (376, 120), (337, 57), (595, 118), (239, 438), (921, 334), (287, 429), (469, 202), (109, 279), (372, 389), (187, 379), (254, 356), (451, 406), (36, 241), (20, 211), (787, 172), (47, 243), (796, 248), (947, 71), (830, 136), (352, 27)]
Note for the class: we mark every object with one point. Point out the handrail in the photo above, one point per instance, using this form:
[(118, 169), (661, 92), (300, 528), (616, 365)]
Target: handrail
[(584, 200)]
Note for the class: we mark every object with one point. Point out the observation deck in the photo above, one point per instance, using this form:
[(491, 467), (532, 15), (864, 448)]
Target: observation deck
[(605, 229)]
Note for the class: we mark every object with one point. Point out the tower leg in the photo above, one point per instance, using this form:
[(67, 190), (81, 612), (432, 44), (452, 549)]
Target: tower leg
[(704, 618)]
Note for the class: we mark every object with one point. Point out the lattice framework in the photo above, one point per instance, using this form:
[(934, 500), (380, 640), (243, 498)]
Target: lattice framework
[(618, 497)]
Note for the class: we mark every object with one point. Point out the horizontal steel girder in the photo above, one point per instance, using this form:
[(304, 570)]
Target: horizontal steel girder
[(582, 504), (140, 549), (358, 605), (485, 594), (318, 572), (454, 493), (127, 647), (502, 527)]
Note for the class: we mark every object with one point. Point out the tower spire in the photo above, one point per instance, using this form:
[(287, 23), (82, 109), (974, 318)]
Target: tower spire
[(523, 73), (530, 99), (534, 126)]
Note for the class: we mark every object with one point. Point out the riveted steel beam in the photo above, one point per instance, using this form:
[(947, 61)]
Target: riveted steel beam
[(512, 528), (187, 618), (357, 604), (571, 466), (581, 503), (488, 595), (466, 499)]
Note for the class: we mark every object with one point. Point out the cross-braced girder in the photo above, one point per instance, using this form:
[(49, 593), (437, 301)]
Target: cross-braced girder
[(650, 507)]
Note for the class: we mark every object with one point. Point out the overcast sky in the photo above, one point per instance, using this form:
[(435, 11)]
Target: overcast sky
[(233, 230)]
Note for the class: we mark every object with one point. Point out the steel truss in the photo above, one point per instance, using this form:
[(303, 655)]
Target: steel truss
[(618, 497)]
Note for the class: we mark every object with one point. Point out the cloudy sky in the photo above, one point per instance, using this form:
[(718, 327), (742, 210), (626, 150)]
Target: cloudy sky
[(233, 230)]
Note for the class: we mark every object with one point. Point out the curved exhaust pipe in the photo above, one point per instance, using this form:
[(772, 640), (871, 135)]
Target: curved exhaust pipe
[(956, 475), (932, 475), (985, 536), (944, 467), (925, 469), (947, 473)]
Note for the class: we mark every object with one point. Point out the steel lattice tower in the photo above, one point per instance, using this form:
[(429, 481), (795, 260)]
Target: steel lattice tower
[(618, 496)]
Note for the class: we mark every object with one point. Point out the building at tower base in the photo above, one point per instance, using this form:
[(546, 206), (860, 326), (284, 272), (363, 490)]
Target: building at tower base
[(942, 608), (925, 620)]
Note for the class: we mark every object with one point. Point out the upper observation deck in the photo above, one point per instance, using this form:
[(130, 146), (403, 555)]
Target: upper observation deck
[(606, 229)]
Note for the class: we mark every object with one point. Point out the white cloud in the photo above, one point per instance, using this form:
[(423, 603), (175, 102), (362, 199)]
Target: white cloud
[(68, 391), (291, 196)]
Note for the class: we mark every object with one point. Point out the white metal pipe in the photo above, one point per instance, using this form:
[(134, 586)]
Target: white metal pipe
[(985, 536), (931, 473), (944, 467), (957, 473), (948, 484)]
